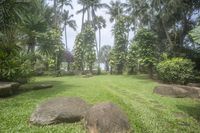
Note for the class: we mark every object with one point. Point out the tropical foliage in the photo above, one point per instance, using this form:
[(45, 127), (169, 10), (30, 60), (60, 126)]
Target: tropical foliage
[(34, 29), (176, 70)]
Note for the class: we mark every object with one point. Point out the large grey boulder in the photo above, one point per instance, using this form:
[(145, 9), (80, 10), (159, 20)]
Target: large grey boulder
[(8, 88), (59, 110), (177, 91), (106, 118)]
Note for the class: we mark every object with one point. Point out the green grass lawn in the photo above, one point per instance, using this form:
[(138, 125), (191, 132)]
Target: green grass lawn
[(147, 112)]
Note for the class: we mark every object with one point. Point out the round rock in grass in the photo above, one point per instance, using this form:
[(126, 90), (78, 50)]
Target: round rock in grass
[(170, 90), (8, 88), (59, 110), (178, 91), (106, 118)]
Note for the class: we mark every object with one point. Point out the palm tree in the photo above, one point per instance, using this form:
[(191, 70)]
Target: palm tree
[(10, 18), (68, 22), (83, 10), (10, 13), (34, 23), (66, 3), (90, 6), (100, 23), (58, 6), (115, 9)]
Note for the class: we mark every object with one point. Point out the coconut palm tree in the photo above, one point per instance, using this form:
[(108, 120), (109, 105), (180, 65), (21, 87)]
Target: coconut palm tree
[(64, 3), (83, 11), (58, 6), (100, 23), (68, 22), (90, 6), (115, 9)]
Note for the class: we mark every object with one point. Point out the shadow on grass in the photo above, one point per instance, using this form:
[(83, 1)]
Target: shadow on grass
[(193, 111), (58, 87)]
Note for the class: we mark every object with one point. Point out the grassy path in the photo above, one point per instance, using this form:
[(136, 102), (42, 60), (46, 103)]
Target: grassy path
[(147, 112)]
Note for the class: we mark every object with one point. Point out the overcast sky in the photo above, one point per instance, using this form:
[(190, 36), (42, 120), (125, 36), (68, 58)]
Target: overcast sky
[(107, 37)]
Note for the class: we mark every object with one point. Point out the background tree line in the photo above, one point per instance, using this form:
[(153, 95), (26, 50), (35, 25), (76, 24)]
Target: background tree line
[(31, 31)]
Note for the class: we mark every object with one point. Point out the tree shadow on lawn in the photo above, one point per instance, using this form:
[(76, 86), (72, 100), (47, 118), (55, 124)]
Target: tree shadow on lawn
[(143, 78), (193, 111), (139, 76), (58, 87)]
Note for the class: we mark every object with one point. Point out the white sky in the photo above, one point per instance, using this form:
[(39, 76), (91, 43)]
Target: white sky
[(107, 38)]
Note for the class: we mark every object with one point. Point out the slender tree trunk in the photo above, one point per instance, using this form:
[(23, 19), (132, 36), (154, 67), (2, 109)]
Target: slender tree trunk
[(83, 17), (88, 14), (55, 12), (93, 16), (167, 34), (107, 66), (164, 27), (68, 66), (128, 33), (66, 37), (99, 39), (97, 49), (31, 47)]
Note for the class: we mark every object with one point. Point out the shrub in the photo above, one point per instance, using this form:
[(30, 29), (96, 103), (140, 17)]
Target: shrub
[(16, 67), (176, 70)]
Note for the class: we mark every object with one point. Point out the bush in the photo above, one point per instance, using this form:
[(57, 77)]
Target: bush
[(176, 70), (16, 67)]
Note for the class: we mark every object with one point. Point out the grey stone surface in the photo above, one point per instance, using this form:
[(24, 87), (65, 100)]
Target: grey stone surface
[(8, 88), (59, 110), (106, 118), (178, 91)]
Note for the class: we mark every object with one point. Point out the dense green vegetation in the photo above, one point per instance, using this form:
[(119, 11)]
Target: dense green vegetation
[(176, 70), (147, 112), (34, 29), (160, 38)]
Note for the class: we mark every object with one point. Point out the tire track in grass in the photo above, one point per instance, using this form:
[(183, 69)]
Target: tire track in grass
[(144, 115)]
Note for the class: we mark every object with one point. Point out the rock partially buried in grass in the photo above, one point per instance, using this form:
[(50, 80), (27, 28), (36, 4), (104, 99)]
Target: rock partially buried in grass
[(194, 84), (106, 118), (8, 88), (178, 91), (59, 110), (37, 86)]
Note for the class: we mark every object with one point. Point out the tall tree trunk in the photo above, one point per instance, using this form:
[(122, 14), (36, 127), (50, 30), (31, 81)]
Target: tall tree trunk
[(83, 17), (97, 49), (68, 66), (167, 34), (88, 14), (107, 66), (31, 47), (164, 27), (128, 33), (66, 37), (151, 71), (55, 12), (99, 39)]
